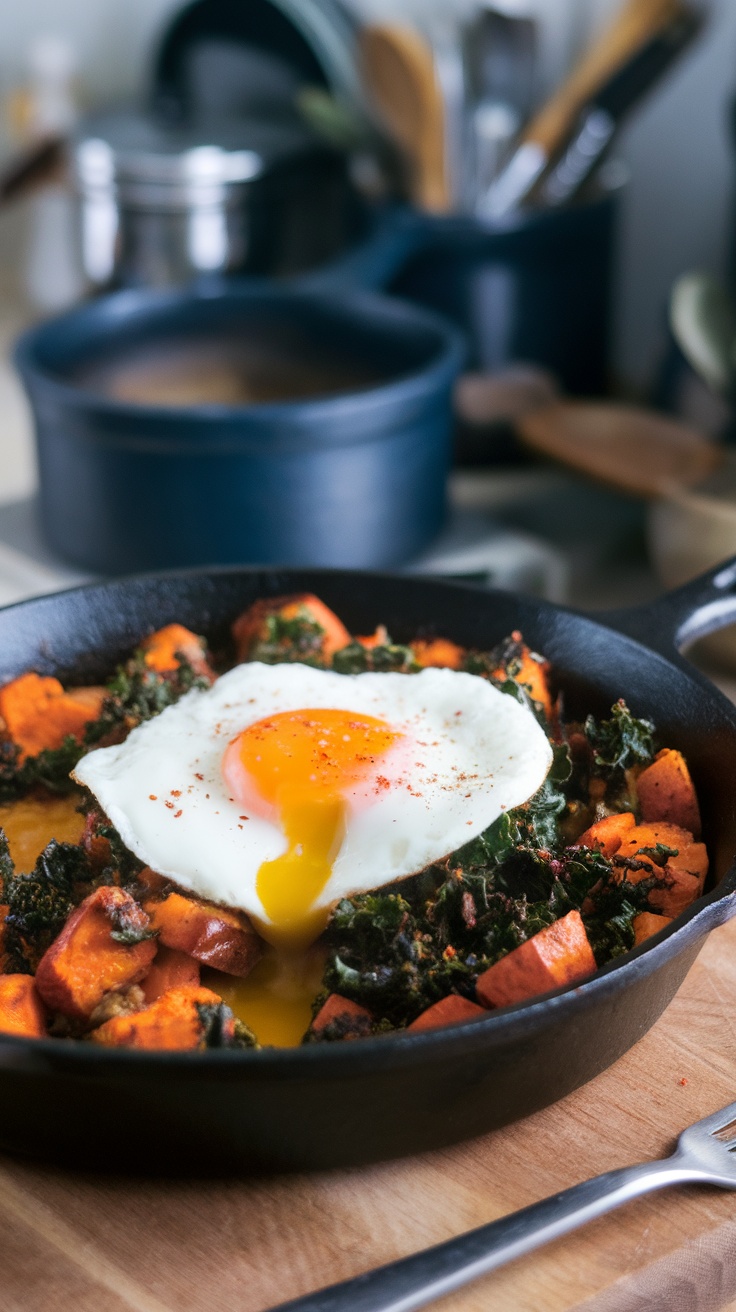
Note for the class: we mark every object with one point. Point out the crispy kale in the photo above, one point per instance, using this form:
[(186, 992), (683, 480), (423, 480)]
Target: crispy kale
[(298, 638), (501, 664), (480, 922), (482, 664), (220, 1029), (387, 656), (136, 693), (39, 903), (243, 1036), (396, 953), (127, 929), (541, 814), (621, 742), (396, 961), (609, 914), (659, 855), (50, 769), (7, 869), (124, 865), (380, 958)]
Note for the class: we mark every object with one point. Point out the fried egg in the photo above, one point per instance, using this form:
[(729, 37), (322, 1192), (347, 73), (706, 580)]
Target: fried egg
[(284, 788)]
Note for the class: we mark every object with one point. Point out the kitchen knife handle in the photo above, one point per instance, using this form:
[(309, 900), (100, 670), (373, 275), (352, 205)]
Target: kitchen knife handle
[(600, 120), (637, 23), (634, 26)]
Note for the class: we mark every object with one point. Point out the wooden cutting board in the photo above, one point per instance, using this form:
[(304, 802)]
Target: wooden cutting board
[(73, 1243)]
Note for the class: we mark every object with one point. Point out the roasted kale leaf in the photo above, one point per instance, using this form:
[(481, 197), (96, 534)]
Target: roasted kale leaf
[(299, 638), (40, 903), (621, 742), (388, 656)]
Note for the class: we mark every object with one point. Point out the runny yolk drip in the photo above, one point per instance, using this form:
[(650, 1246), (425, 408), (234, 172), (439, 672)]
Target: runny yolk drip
[(32, 822), (275, 1000), (300, 766)]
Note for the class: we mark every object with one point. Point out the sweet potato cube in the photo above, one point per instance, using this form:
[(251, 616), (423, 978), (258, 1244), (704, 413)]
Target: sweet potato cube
[(683, 875), (646, 924), (608, 834), (163, 648), (153, 885), (87, 700), (559, 954), (39, 715), (213, 935), (379, 638), (170, 970), (666, 792), (531, 672), (172, 1022), (21, 1009), (439, 653), (85, 962), (448, 1011), (346, 1019), (251, 627)]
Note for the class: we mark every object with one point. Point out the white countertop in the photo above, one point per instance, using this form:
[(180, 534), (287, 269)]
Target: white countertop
[(18, 476)]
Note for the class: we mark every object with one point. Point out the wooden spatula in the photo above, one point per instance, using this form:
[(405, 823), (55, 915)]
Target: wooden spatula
[(399, 72), (630, 449)]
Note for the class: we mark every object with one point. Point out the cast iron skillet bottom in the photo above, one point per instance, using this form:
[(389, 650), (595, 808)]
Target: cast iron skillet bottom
[(347, 1104)]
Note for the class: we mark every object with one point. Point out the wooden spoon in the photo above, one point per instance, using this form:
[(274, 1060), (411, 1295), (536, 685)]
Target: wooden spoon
[(632, 450), (400, 77)]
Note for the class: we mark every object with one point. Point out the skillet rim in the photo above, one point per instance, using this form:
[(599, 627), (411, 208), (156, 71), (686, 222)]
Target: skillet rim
[(521, 1018)]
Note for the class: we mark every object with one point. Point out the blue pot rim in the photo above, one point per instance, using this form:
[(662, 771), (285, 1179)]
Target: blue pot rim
[(438, 372)]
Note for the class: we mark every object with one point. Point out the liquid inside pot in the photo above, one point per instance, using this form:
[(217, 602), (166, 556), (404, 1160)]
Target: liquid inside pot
[(225, 371)]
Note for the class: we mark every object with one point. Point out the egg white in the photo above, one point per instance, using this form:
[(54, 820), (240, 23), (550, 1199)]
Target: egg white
[(478, 753)]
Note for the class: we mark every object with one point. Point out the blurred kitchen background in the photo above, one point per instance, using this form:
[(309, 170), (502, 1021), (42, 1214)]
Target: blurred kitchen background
[(591, 506), (678, 147)]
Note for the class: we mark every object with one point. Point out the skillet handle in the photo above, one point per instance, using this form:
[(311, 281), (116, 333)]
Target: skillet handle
[(678, 618), (399, 233)]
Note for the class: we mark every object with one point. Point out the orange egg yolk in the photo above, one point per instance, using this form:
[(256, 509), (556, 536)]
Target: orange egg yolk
[(303, 767)]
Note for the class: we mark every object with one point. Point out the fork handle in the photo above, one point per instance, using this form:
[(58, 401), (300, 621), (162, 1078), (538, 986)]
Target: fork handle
[(414, 1281)]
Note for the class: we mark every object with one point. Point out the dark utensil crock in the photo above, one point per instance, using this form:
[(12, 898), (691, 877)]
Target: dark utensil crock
[(350, 1103), (538, 289), (355, 479)]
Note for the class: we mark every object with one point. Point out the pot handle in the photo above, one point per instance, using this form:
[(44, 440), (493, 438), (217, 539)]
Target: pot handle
[(398, 233), (678, 618)]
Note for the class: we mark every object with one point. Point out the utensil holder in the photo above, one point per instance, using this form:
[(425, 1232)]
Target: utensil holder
[(538, 290)]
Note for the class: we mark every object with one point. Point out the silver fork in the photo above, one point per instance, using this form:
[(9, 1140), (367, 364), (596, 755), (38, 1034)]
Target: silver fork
[(705, 1154)]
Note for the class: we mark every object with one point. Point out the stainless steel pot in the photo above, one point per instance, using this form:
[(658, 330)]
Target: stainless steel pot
[(160, 205)]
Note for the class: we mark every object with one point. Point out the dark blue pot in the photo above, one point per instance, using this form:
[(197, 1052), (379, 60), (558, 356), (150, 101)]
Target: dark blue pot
[(354, 480)]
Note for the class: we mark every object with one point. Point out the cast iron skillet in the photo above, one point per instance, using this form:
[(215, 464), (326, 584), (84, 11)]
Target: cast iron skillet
[(344, 1104)]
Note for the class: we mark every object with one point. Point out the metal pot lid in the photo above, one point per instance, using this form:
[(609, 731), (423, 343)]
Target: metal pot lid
[(331, 31), (125, 146), (326, 31)]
